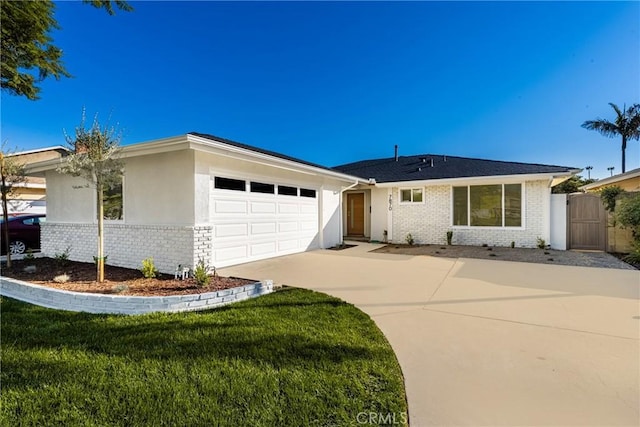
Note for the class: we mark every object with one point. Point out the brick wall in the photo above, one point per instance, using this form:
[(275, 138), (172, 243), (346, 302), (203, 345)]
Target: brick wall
[(120, 304), (127, 245), (429, 222)]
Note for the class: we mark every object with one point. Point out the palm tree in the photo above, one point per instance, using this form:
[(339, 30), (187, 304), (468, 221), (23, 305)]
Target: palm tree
[(627, 125)]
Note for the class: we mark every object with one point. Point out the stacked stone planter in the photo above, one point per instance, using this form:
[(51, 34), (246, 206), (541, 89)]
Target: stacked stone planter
[(121, 304)]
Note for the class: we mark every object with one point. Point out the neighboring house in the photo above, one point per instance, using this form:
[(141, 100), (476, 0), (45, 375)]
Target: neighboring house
[(197, 196), (628, 181), (28, 197)]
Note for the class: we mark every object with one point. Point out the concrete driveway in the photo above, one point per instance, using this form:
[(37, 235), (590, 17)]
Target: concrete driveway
[(490, 342)]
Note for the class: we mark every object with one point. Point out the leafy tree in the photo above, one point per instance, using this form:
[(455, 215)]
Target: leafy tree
[(572, 185), (28, 53), (11, 173), (95, 158), (626, 125)]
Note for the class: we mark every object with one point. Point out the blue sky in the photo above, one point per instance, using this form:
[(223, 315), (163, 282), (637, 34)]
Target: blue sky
[(339, 82)]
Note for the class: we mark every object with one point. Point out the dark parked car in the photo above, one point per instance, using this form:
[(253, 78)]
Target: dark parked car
[(24, 233)]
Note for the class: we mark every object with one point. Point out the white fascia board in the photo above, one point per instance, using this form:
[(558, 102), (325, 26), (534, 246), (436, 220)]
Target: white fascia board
[(479, 179), (133, 150), (228, 150), (40, 150)]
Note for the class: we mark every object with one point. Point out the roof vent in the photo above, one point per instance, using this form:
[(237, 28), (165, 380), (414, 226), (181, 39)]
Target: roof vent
[(419, 169), (424, 160), (445, 158), (396, 155), (431, 162)]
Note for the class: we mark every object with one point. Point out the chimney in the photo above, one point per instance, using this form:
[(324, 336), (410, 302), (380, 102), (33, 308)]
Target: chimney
[(396, 156)]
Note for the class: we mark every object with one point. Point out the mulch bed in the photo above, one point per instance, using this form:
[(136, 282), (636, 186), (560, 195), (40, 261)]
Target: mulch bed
[(118, 280)]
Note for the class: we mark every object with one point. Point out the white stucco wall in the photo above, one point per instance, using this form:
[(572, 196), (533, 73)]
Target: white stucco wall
[(558, 239), (379, 213), (430, 221), (159, 189), (68, 200)]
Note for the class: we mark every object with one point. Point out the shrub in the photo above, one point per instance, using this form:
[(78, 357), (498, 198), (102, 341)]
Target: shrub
[(62, 278), (608, 196), (62, 259), (513, 245), (201, 273), (95, 259), (449, 237), (628, 215), (149, 270), (409, 239), (540, 243), (29, 255)]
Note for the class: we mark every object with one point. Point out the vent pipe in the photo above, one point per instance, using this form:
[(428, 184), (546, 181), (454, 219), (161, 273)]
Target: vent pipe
[(396, 155), (431, 162)]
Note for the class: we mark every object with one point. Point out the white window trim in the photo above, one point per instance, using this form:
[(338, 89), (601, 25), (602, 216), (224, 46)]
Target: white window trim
[(523, 209), (411, 202)]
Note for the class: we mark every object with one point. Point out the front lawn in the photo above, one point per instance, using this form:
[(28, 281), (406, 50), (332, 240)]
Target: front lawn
[(292, 358)]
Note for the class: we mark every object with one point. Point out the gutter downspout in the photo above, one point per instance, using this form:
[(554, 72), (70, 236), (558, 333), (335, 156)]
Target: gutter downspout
[(341, 239)]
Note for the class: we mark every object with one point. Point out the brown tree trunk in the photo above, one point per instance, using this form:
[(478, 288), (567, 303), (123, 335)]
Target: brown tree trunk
[(100, 261)]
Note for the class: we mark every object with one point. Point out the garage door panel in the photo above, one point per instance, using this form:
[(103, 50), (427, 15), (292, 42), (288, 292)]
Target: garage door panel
[(287, 245), (251, 226), (230, 253), (231, 230), (230, 206), (260, 249), (288, 208), (308, 209), (263, 228), (288, 226), (263, 207)]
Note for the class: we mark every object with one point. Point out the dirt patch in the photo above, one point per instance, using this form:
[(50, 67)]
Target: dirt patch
[(118, 280), (540, 256)]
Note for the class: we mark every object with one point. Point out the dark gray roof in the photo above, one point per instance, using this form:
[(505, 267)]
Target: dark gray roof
[(260, 150), (417, 168)]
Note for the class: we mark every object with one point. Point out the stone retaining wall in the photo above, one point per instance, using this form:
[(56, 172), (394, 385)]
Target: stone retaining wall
[(120, 304)]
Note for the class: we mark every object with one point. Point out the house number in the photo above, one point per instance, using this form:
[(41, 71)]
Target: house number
[(390, 201)]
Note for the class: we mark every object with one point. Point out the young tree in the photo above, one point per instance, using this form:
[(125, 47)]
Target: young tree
[(11, 173), (28, 53), (95, 158), (572, 185), (626, 125)]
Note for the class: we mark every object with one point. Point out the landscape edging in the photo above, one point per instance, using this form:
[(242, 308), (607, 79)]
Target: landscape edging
[(125, 304)]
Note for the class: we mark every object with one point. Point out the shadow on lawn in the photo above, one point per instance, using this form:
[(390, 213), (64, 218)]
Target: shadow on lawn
[(277, 331)]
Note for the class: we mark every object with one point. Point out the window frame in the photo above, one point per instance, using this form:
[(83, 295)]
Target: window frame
[(523, 205), (106, 220), (411, 202)]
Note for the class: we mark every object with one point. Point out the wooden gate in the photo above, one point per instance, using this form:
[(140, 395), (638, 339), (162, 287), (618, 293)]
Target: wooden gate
[(587, 222)]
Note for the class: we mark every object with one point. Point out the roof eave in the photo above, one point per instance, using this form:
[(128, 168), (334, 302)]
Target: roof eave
[(481, 179)]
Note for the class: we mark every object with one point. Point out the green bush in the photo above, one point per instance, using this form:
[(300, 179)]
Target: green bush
[(62, 259), (449, 237), (541, 243), (608, 196), (409, 239), (95, 259), (149, 270), (201, 273), (628, 215)]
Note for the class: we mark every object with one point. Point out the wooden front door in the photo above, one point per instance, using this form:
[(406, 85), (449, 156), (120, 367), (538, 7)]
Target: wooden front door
[(355, 214), (587, 222)]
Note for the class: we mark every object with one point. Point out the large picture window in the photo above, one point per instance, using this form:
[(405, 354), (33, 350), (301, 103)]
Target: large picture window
[(496, 205)]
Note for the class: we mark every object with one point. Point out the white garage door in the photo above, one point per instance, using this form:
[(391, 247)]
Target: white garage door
[(264, 220)]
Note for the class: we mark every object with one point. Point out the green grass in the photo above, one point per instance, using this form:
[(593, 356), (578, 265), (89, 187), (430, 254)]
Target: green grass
[(292, 358)]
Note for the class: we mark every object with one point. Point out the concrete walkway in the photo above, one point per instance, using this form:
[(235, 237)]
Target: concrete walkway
[(490, 342)]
